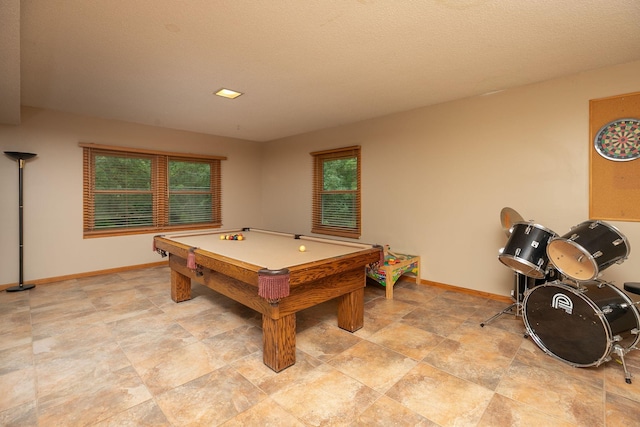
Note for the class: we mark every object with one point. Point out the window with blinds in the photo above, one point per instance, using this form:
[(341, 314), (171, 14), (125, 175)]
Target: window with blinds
[(138, 191), (336, 192)]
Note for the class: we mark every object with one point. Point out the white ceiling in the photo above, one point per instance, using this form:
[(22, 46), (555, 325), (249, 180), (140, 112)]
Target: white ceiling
[(302, 64)]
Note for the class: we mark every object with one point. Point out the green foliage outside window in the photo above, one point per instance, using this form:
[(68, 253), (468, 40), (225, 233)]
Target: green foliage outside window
[(123, 192), (340, 174), (122, 173), (125, 196), (340, 180), (189, 192)]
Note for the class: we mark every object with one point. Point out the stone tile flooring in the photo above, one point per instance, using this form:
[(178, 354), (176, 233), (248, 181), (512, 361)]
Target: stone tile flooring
[(114, 350)]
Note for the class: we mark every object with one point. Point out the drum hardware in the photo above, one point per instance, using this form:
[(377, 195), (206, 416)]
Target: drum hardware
[(516, 295), (621, 352), (521, 285)]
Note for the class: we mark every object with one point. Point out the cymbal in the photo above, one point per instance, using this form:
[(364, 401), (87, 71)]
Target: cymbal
[(508, 217)]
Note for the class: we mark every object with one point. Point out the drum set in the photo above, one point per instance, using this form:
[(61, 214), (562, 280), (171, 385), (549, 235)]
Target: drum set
[(567, 310)]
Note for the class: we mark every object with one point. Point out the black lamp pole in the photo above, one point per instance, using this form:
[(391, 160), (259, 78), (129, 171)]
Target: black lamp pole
[(21, 158)]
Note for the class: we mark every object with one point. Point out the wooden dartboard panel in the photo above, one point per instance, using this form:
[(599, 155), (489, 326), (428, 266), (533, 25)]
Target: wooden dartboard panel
[(614, 186)]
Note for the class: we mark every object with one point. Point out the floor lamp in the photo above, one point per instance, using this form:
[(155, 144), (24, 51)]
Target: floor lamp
[(21, 158)]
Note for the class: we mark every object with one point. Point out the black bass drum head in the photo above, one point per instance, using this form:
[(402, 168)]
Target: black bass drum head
[(568, 323)]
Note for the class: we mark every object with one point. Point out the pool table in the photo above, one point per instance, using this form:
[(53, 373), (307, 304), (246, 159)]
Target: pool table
[(267, 272)]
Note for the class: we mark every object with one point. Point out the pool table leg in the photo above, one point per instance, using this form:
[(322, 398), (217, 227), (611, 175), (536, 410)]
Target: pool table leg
[(180, 286), (279, 341), (351, 310)]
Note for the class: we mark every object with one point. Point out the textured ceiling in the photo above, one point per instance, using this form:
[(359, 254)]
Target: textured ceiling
[(302, 64)]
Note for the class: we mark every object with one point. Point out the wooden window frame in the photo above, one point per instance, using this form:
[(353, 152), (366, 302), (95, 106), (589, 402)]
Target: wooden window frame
[(159, 189), (317, 226)]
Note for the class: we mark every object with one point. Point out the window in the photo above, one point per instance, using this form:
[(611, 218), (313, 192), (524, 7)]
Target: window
[(336, 192), (139, 191)]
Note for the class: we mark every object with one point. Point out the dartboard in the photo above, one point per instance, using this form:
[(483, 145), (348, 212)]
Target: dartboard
[(619, 140)]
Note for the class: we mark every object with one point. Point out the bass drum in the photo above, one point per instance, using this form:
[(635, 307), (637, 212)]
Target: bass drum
[(580, 326)]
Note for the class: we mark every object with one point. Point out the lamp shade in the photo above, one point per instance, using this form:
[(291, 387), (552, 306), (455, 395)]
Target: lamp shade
[(16, 155)]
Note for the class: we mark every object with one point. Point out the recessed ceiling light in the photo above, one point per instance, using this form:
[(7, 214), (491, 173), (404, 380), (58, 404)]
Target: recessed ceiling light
[(228, 93)]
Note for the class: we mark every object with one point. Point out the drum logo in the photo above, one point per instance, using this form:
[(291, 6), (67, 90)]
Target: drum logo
[(562, 302)]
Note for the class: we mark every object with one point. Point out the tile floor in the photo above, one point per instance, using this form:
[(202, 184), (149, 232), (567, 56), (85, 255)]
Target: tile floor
[(114, 350)]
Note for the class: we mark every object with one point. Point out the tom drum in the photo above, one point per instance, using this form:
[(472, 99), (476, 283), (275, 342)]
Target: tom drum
[(525, 251), (587, 249)]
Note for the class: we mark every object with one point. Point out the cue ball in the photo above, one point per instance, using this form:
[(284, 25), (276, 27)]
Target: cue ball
[(302, 248)]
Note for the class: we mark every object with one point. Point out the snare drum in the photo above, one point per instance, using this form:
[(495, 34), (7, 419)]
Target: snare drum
[(580, 326), (589, 248), (525, 251)]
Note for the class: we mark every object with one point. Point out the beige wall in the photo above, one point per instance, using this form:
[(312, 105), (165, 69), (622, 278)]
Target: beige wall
[(435, 179), (54, 245)]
